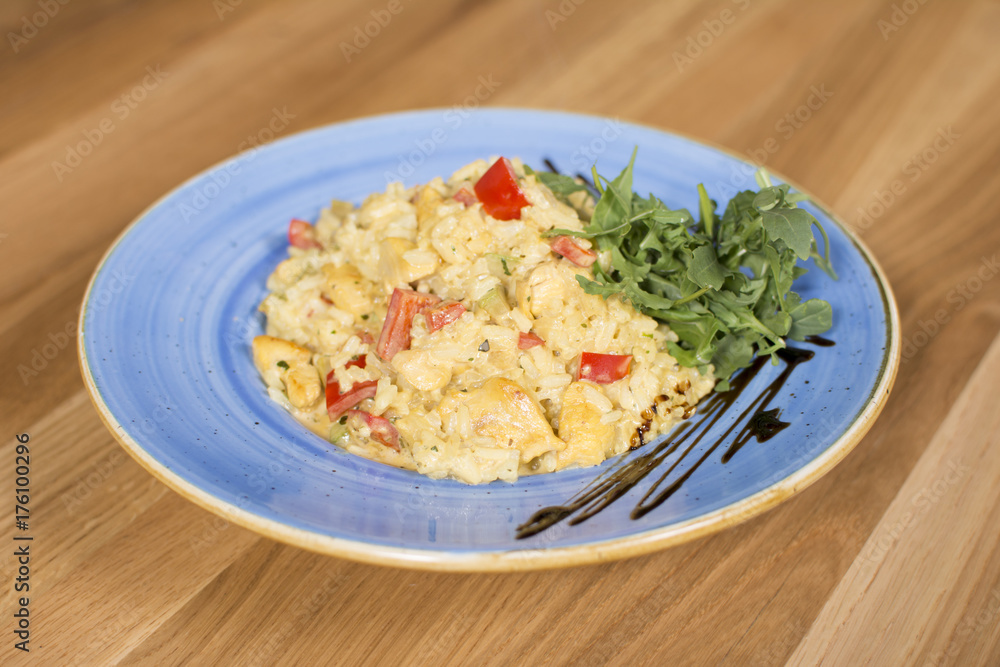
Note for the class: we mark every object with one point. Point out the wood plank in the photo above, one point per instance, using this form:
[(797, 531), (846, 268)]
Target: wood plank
[(926, 586), (115, 584), (133, 34)]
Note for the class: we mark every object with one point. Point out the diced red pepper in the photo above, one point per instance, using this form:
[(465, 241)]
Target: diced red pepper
[(360, 362), (568, 248), (502, 197), (603, 368), (403, 305), (526, 341), (464, 195), (302, 235), (443, 314), (382, 429), (337, 403)]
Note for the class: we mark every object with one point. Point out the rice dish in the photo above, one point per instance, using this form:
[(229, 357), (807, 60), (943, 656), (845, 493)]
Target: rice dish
[(437, 328)]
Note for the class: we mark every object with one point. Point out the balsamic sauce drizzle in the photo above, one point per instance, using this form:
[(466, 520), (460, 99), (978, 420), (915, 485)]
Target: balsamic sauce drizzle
[(758, 422), (820, 341)]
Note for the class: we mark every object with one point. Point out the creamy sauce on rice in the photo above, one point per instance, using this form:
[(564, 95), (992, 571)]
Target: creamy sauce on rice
[(498, 390)]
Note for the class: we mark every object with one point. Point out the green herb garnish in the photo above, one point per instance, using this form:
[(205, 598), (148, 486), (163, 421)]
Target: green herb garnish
[(561, 185), (282, 364), (723, 284)]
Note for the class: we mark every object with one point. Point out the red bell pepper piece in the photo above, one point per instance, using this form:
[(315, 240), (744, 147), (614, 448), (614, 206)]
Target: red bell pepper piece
[(443, 314), (568, 248), (302, 235), (403, 305), (465, 196), (360, 362), (382, 429), (526, 341), (603, 368), (499, 192), (338, 403)]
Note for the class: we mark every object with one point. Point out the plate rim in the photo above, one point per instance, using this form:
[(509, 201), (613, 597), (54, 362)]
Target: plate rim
[(612, 549)]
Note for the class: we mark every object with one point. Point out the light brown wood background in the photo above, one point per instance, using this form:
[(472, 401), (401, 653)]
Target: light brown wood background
[(890, 559)]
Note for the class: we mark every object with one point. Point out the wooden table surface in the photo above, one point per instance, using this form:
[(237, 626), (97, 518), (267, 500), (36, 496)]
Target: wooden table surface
[(887, 111)]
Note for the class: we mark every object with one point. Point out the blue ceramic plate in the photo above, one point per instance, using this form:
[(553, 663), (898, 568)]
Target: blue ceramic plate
[(169, 315)]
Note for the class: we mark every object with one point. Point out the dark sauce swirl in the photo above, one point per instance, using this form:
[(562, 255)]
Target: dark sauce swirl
[(757, 420)]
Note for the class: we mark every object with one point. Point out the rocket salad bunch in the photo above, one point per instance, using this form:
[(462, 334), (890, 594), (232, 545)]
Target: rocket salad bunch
[(722, 283)]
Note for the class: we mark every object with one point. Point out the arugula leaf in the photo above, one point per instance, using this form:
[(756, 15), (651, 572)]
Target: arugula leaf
[(722, 283), (793, 226), (614, 208), (810, 318), (704, 269), (560, 184)]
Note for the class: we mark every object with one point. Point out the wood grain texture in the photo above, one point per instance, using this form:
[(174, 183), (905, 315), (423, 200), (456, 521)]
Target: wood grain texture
[(127, 572), (930, 562)]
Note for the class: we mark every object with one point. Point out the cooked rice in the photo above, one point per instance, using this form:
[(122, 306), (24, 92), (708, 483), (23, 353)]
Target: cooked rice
[(443, 394)]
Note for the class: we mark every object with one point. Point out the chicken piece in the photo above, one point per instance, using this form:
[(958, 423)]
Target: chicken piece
[(423, 369), (501, 409), (427, 202), (395, 263), (331, 220), (581, 428), (286, 274), (280, 360), (347, 289), (546, 287), (268, 351), (303, 385)]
